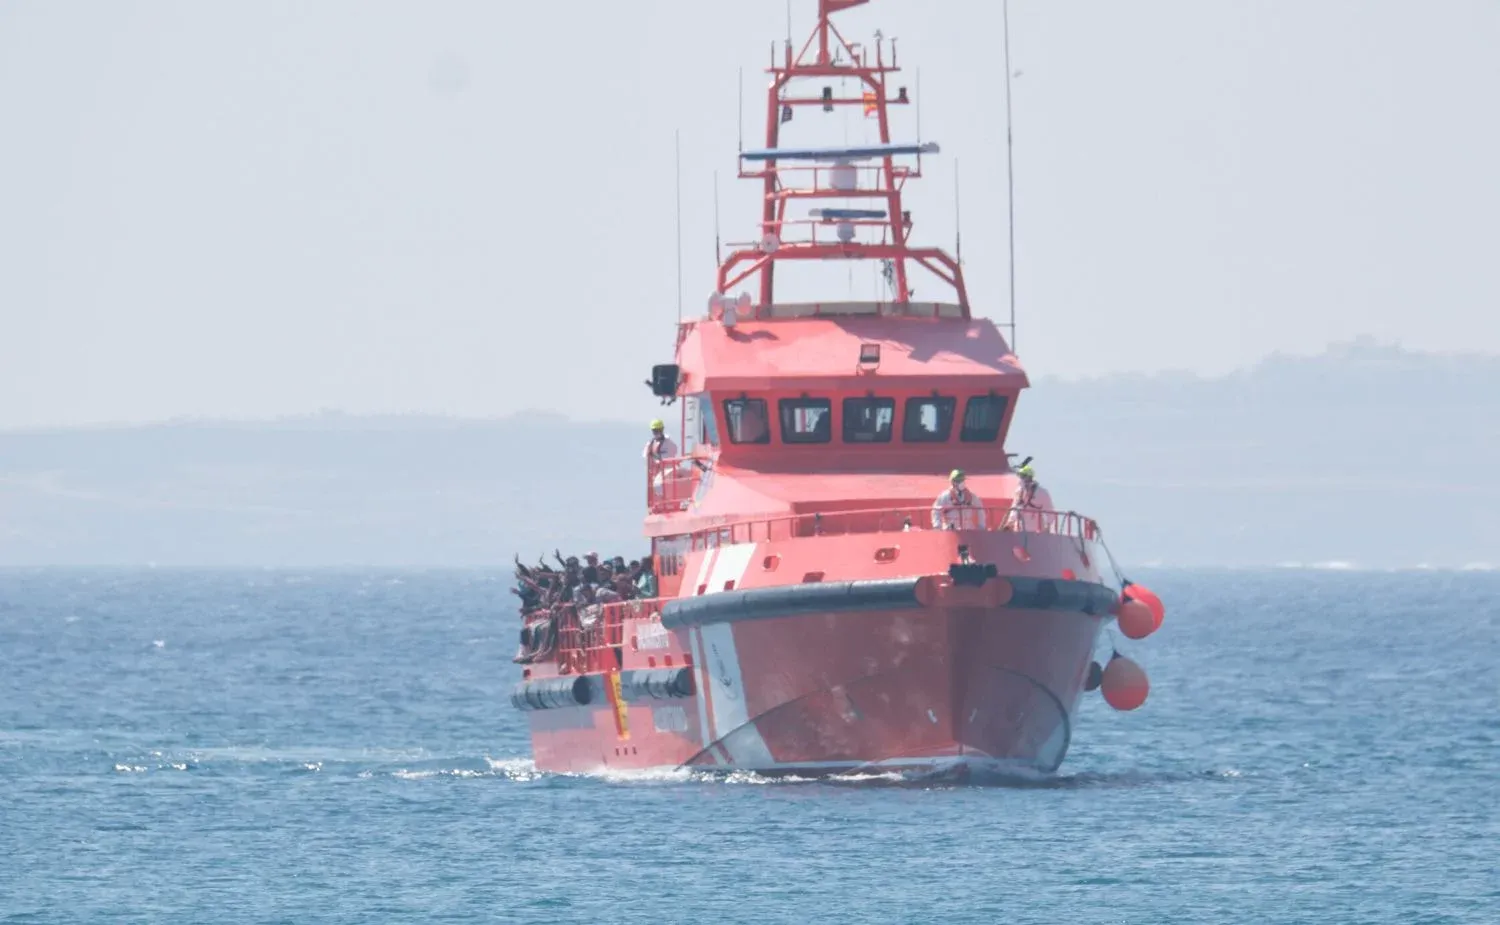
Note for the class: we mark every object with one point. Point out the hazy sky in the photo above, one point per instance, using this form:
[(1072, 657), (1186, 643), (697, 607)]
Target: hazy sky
[(262, 208)]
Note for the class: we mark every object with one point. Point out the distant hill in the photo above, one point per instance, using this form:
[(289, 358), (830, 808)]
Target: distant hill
[(328, 490), (1366, 454), (1369, 455)]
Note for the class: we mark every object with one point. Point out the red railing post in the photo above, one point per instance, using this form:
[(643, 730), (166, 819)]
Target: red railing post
[(879, 520)]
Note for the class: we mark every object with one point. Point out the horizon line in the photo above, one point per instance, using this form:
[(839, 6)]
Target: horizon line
[(1334, 350), (499, 566)]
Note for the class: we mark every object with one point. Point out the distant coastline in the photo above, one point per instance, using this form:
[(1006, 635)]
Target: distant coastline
[(1369, 455)]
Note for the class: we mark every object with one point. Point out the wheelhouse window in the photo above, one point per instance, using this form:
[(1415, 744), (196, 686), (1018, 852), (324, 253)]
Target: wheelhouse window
[(928, 420), (745, 420), (982, 417), (806, 420), (869, 420)]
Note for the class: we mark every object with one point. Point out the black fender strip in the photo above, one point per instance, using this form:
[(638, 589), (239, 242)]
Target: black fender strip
[(552, 693), (790, 600), (656, 684), (1054, 594), (1060, 594)]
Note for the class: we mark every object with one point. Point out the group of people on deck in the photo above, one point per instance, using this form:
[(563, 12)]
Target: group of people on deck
[(593, 581), (541, 587), (548, 593), (544, 591)]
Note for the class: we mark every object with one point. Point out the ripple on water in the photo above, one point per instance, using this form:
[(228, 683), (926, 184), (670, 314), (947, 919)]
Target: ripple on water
[(1319, 746)]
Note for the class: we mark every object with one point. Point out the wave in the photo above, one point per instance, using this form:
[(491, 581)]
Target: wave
[(1342, 565), (525, 770), (398, 765)]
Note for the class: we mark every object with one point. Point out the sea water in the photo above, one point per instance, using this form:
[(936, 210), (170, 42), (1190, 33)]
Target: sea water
[(276, 746)]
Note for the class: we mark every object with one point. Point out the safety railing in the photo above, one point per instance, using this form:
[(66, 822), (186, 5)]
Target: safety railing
[(671, 483), (592, 637), (856, 179), (891, 520)]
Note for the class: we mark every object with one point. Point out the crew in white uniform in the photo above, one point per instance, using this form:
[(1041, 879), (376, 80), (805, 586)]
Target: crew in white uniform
[(1025, 513), (660, 446), (658, 452), (957, 508)]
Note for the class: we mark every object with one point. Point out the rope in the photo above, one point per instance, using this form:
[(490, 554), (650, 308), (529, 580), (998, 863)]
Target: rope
[(1114, 567), (1109, 632)]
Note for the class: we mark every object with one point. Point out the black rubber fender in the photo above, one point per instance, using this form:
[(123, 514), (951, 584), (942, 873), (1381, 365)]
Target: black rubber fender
[(657, 684), (1027, 593), (552, 693), (790, 600)]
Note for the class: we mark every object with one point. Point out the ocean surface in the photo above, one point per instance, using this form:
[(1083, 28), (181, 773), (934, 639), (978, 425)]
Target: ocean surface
[(277, 746)]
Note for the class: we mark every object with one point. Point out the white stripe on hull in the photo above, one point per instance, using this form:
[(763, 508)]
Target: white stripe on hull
[(702, 678), (705, 567), (705, 730), (731, 718), (718, 663), (730, 566)]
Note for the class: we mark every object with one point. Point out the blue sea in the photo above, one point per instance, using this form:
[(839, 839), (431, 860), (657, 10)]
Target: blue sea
[(337, 746)]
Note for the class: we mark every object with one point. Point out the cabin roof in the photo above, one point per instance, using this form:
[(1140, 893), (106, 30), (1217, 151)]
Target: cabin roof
[(792, 353)]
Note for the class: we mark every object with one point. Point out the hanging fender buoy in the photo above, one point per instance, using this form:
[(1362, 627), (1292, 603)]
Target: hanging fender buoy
[(1146, 596), (1124, 684), (1135, 619), (1096, 675)]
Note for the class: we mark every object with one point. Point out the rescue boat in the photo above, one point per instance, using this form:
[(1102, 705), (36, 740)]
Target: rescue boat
[(817, 612)]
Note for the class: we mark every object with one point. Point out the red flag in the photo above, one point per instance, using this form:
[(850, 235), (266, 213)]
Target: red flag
[(870, 105)]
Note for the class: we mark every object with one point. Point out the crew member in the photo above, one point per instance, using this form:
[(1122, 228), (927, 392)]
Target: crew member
[(957, 508), (659, 449), (660, 446), (1025, 512)]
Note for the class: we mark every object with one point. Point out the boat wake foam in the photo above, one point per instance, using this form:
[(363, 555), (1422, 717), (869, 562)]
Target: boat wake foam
[(974, 776), (399, 765)]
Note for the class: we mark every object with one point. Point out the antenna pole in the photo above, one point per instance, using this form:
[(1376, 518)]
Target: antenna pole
[(717, 258), (677, 151), (919, 105), (1010, 183), (958, 223)]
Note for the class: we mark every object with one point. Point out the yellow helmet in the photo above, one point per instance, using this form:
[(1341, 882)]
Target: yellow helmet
[(1026, 472), (657, 424), (957, 475)]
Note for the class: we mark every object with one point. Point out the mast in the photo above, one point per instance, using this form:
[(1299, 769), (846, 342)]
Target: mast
[(797, 178), (677, 161), (1010, 178)]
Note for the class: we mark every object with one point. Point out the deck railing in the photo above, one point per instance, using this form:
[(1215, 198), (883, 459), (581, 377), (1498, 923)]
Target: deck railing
[(671, 483), (592, 637), (1000, 518)]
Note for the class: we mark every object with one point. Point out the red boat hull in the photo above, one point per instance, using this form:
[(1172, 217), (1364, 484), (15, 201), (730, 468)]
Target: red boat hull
[(947, 684), (914, 690)]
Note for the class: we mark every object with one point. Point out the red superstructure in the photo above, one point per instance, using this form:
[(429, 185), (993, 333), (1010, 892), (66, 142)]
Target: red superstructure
[(815, 614)]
